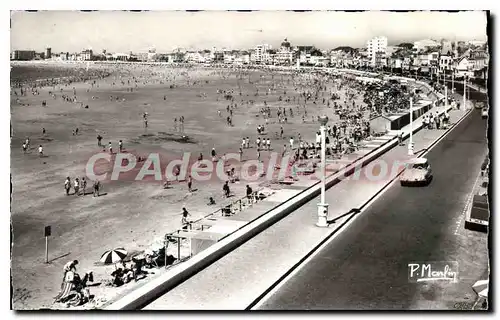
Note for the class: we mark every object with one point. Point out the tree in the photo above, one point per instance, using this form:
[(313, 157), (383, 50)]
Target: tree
[(406, 45), (345, 49)]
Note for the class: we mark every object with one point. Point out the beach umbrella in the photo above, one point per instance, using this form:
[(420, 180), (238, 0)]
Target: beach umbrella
[(113, 256), (481, 288)]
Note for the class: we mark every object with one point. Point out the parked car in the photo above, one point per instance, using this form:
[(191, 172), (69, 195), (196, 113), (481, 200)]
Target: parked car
[(485, 166), (478, 217), (484, 112), (418, 172)]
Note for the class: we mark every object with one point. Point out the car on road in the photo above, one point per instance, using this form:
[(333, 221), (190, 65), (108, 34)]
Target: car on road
[(418, 172), (484, 112)]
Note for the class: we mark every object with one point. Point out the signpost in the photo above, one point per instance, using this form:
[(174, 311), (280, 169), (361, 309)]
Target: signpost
[(48, 232)]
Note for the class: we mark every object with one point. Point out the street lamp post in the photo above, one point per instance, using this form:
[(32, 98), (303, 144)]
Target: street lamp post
[(322, 206), (465, 92), (410, 143), (452, 81), (445, 98)]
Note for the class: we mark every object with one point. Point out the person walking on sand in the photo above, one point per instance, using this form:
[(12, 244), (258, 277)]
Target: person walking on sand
[(84, 185), (67, 185), (241, 154), (214, 155), (99, 138), (120, 146), (24, 147), (291, 143), (40, 151), (226, 190), (96, 188), (77, 187), (190, 183), (110, 147)]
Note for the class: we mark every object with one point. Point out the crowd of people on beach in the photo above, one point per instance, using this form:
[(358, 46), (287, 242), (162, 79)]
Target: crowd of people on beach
[(275, 101)]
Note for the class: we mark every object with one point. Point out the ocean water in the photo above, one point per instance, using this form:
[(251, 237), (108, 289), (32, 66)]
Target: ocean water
[(28, 73)]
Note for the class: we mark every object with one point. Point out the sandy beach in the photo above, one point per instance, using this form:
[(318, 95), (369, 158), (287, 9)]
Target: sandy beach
[(131, 214)]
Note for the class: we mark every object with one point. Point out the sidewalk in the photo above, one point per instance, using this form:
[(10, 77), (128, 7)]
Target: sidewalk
[(237, 279)]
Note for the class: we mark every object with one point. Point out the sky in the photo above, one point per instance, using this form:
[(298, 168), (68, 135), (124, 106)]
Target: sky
[(123, 31)]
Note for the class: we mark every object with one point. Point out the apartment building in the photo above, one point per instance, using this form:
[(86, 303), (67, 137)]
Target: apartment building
[(377, 50)]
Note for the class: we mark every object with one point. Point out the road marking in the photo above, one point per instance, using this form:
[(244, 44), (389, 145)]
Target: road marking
[(364, 207), (468, 205)]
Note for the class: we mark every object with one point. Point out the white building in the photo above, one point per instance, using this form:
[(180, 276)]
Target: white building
[(86, 55), (464, 67), (286, 54), (445, 63), (376, 48), (261, 53)]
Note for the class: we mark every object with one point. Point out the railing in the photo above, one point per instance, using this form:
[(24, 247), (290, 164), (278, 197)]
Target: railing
[(227, 210)]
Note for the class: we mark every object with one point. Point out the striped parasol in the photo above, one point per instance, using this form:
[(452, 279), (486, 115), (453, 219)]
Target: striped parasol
[(113, 256), (481, 288)]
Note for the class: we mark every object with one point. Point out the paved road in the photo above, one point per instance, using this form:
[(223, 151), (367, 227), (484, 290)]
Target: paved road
[(365, 267)]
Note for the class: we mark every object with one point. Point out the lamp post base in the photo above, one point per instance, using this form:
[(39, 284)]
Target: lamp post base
[(322, 215)]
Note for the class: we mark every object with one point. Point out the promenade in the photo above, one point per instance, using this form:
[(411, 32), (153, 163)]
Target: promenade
[(236, 280)]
